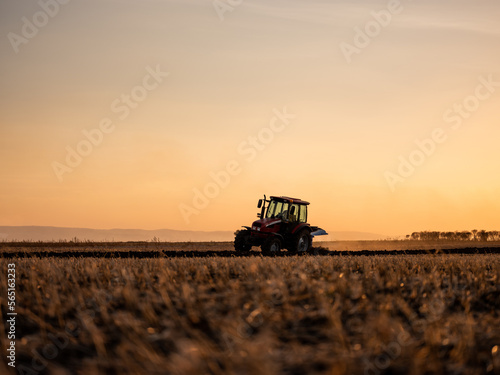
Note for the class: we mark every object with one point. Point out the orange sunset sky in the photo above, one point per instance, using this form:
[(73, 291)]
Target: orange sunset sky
[(384, 115)]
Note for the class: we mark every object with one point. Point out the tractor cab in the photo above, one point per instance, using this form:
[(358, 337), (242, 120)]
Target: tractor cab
[(286, 209)]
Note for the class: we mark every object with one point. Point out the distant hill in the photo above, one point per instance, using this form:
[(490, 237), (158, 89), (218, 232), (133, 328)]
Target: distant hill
[(40, 233), (36, 233), (353, 236)]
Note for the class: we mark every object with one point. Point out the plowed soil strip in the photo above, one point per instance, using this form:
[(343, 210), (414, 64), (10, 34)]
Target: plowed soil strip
[(228, 254)]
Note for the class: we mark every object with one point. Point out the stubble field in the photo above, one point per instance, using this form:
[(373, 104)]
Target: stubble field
[(380, 314)]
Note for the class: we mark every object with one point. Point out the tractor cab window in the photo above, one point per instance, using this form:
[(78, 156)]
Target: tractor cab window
[(293, 217), (303, 214), (278, 210)]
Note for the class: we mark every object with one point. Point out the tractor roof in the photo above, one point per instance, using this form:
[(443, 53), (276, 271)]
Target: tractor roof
[(290, 200)]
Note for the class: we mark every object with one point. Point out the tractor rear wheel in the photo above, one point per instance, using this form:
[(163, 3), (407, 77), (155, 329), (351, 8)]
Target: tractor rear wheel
[(241, 240), (272, 246), (302, 241)]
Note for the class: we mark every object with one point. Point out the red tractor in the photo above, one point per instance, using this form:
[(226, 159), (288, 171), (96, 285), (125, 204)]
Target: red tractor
[(282, 224)]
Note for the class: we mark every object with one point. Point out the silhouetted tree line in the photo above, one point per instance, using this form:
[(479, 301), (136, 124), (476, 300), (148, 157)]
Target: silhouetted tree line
[(473, 235)]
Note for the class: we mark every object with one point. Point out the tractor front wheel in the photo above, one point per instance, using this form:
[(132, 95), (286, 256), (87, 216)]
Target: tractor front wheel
[(241, 241), (302, 242), (272, 246)]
